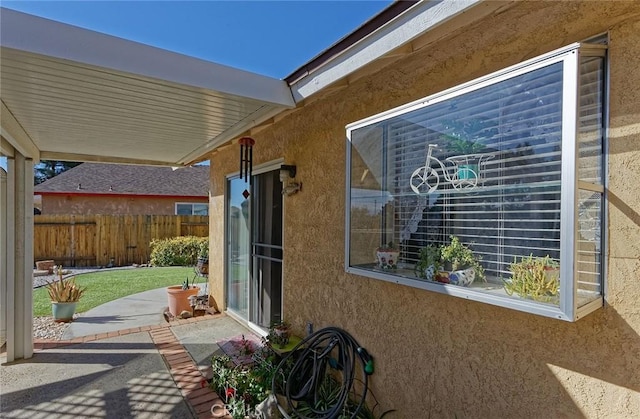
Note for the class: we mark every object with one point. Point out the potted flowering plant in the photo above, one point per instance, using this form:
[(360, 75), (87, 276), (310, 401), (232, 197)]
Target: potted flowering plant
[(279, 333), (387, 256), (453, 263)]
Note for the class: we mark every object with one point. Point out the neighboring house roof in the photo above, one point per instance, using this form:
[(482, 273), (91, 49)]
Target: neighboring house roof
[(114, 179)]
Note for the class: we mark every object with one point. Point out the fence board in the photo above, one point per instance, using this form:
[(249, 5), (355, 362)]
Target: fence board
[(98, 240)]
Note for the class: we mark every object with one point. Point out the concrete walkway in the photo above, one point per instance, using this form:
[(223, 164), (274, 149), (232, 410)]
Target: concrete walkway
[(121, 368), (142, 309)]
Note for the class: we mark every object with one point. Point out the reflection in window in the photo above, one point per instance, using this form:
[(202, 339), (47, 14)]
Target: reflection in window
[(484, 164), (192, 209)]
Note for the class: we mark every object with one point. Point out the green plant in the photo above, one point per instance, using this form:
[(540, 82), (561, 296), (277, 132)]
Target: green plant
[(462, 146), (279, 333), (177, 251), (451, 257), (243, 387), (460, 257), (534, 277), (465, 135), (328, 395), (203, 251), (389, 247), (110, 285), (64, 290), (429, 262)]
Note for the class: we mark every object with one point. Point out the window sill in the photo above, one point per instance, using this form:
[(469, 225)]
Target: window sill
[(491, 292)]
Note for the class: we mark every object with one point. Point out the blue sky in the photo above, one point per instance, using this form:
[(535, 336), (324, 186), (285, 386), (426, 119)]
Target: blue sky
[(273, 38)]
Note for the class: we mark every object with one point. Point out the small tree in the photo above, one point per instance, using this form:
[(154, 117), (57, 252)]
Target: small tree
[(47, 169)]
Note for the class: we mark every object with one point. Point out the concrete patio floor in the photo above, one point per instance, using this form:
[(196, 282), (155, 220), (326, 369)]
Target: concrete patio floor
[(135, 371)]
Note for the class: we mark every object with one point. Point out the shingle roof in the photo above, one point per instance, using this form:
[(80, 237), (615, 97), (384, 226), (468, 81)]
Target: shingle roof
[(117, 179)]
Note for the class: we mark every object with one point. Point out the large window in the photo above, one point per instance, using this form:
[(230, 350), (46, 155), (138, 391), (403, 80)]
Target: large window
[(491, 191)]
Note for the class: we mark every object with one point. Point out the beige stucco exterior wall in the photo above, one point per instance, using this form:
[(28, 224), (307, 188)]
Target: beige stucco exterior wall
[(113, 205), (437, 355)]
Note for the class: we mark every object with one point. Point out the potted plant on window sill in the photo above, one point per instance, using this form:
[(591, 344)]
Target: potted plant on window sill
[(453, 264), (64, 295), (534, 278), (178, 297), (387, 256)]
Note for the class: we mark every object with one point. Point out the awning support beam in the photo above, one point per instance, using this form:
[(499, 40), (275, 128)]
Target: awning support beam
[(16, 233)]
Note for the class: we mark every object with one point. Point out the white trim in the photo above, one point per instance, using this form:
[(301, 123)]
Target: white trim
[(37, 35), (4, 300), (416, 21), (492, 78), (467, 293), (568, 192), (19, 255), (15, 134)]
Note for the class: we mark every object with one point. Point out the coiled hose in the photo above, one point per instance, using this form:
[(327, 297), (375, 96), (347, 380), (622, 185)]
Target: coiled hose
[(328, 351)]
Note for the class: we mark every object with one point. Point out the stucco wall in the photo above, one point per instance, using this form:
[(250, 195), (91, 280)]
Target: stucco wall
[(436, 355), (114, 205)]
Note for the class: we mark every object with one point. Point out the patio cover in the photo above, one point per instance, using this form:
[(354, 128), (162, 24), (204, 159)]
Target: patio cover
[(73, 94)]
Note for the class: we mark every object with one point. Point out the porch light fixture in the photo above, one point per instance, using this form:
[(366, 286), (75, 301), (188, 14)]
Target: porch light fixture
[(287, 172)]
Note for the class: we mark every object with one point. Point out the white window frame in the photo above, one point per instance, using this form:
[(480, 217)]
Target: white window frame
[(568, 309)]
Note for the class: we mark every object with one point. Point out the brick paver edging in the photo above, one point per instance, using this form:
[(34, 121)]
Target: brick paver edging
[(193, 384), (188, 377)]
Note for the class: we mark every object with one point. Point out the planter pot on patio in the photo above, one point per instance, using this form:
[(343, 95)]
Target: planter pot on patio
[(63, 312), (179, 298)]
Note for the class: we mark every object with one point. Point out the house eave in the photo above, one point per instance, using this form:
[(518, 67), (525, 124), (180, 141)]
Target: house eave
[(401, 35)]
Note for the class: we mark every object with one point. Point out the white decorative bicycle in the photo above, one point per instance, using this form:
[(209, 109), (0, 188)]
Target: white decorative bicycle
[(465, 171)]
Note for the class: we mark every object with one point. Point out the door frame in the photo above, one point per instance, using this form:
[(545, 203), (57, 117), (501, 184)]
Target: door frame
[(256, 170)]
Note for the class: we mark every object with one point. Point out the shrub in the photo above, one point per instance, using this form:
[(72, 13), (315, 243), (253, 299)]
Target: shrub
[(177, 251)]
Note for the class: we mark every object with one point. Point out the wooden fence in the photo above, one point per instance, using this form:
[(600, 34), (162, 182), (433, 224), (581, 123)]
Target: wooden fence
[(100, 240)]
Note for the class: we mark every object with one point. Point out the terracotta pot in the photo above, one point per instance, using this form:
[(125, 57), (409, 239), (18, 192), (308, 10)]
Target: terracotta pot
[(179, 298)]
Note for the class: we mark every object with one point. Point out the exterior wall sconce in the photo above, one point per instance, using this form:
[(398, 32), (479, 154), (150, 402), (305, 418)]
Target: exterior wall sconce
[(288, 172)]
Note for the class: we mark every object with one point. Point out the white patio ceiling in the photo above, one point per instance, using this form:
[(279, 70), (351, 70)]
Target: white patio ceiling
[(73, 94)]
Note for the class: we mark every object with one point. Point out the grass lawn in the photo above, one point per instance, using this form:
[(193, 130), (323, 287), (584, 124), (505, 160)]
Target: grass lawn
[(106, 286)]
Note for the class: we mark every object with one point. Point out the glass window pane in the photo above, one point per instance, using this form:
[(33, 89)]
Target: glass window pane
[(492, 177), (465, 188), (590, 128), (200, 209), (183, 209), (589, 246)]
